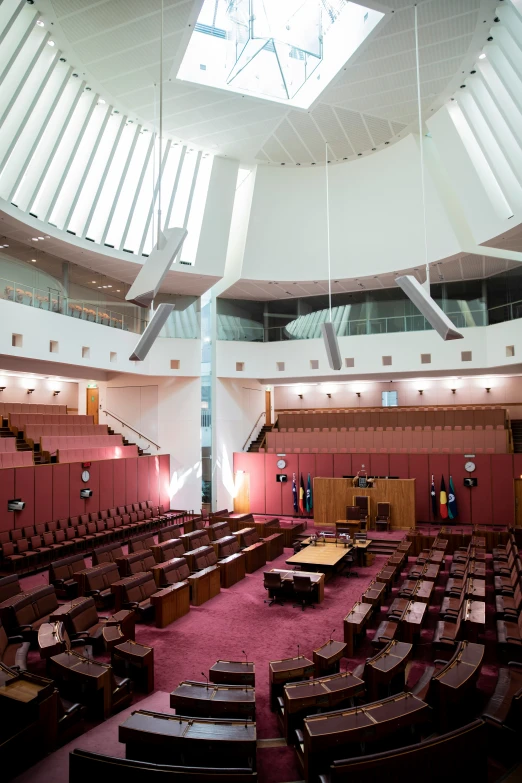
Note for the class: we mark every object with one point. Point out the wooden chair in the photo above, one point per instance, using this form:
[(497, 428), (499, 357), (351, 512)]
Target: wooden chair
[(363, 503)]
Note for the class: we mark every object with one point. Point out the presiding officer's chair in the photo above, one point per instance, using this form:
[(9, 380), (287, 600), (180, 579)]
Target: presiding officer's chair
[(274, 585), (382, 520), (304, 591)]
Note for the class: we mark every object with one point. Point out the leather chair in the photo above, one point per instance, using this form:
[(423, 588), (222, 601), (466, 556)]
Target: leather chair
[(382, 519), (363, 503), (82, 622), (274, 585), (304, 591), (348, 561), (13, 650)]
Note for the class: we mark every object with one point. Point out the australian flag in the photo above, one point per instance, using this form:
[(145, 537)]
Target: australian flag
[(294, 493)]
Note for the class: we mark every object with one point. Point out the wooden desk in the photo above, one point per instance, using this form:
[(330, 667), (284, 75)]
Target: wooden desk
[(323, 694), (381, 670), (332, 495), (171, 603), (417, 590), (355, 623), (136, 661), (255, 556), (287, 578), (321, 556), (274, 545), (96, 677), (174, 739), (232, 569), (410, 615), (337, 734), (374, 593), (327, 658), (233, 673), (214, 701), (353, 524), (452, 688), (287, 670), (204, 585)]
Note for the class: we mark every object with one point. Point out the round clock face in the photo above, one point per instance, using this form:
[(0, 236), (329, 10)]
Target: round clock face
[(281, 464), (85, 476), (469, 466)]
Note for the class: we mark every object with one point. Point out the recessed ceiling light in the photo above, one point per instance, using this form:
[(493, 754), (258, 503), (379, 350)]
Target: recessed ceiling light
[(51, 43), (109, 286), (482, 56), (93, 281), (101, 102), (35, 239), (40, 23), (117, 290), (40, 237), (33, 260)]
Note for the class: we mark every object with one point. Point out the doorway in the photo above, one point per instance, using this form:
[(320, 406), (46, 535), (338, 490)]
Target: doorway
[(93, 403), (268, 407), (518, 502)]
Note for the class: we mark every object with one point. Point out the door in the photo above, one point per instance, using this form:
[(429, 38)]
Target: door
[(268, 407), (518, 502), (93, 397)]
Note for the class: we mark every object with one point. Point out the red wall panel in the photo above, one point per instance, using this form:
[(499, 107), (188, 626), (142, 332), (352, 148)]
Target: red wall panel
[(503, 497), (481, 509), (7, 488), (306, 466), (517, 466), (43, 493), (287, 498), (399, 466), (24, 488), (76, 504), (379, 465), (131, 481), (462, 493), (273, 501), (164, 480), (154, 480), (93, 504), (61, 491), (143, 478), (107, 485), (342, 465), (358, 460), (419, 471), (253, 464), (119, 482), (324, 465)]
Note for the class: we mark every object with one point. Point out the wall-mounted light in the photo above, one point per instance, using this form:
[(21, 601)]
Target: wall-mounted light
[(30, 391), (85, 493), (488, 389), (17, 504), (421, 391), (358, 394), (3, 388), (329, 395), (56, 393), (453, 391), (300, 396)]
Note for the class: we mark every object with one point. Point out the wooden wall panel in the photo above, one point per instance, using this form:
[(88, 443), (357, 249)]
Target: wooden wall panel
[(7, 488), (399, 466), (503, 496), (24, 489), (43, 494), (272, 488), (60, 491), (419, 471), (253, 464), (324, 465), (76, 504), (287, 499), (331, 496), (379, 465), (154, 480), (342, 465), (481, 496)]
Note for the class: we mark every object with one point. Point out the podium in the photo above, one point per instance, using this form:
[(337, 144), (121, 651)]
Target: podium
[(332, 495)]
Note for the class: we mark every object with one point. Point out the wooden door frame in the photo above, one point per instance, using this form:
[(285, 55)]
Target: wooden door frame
[(95, 414)]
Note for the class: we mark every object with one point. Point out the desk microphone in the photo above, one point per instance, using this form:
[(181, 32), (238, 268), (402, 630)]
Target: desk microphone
[(331, 634), (206, 678), (246, 657), (298, 654)]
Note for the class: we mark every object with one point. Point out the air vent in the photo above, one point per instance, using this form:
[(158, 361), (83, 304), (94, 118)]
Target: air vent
[(174, 364), (17, 340), (425, 358), (349, 362), (86, 352), (465, 356), (280, 366), (510, 351), (240, 366), (386, 360), (314, 364)]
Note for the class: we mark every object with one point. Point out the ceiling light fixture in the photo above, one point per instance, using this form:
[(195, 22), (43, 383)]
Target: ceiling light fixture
[(3, 388), (40, 23), (300, 396), (421, 391), (56, 392), (482, 56), (488, 389), (453, 391), (51, 43), (358, 394), (30, 391), (33, 260)]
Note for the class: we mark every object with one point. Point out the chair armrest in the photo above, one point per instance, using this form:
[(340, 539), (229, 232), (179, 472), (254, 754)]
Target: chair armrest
[(77, 642), (439, 660), (15, 639), (92, 592), (131, 605), (82, 635), (58, 582)]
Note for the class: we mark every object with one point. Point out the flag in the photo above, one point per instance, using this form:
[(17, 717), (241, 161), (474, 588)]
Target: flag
[(443, 503), (452, 501), (294, 493), (301, 495), (433, 497), (309, 499)]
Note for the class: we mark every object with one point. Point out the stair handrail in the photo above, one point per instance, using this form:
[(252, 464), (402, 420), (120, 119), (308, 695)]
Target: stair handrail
[(252, 430), (126, 424)]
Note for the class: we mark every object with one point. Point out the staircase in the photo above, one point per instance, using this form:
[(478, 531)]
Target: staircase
[(383, 546), (256, 444), (126, 442), (516, 429)]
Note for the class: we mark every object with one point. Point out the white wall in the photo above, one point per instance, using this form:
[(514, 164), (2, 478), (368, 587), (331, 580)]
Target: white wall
[(173, 406), (39, 327), (375, 219), (238, 405), (17, 385)]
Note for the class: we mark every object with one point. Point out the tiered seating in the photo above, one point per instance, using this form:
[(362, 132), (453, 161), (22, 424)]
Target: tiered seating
[(33, 432), (407, 440), (404, 417), (26, 407), (19, 421), (15, 459), (51, 443), (92, 454)]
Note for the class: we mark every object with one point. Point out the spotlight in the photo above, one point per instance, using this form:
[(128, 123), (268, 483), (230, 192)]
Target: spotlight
[(300, 396), (40, 23), (358, 394), (329, 396), (421, 391), (56, 393), (482, 56), (33, 260), (51, 43), (488, 389), (30, 391), (3, 388), (453, 391)]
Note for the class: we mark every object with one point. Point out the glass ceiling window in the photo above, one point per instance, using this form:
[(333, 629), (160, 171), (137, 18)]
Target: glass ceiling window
[(284, 51)]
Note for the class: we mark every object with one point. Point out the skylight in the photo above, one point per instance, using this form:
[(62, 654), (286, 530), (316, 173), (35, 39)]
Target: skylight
[(286, 51)]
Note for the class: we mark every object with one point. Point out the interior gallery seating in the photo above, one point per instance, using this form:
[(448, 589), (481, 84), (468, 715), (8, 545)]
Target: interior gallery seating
[(26, 407), (364, 418)]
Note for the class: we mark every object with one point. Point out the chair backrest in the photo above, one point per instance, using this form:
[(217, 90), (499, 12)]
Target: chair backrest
[(302, 584), (363, 502), (353, 512), (272, 580), (383, 509)]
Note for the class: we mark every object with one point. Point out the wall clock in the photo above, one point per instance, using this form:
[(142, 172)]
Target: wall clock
[(281, 464), (85, 476), (469, 466)]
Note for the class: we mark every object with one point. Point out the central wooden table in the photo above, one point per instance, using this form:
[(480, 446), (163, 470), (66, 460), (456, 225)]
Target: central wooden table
[(214, 701), (321, 556)]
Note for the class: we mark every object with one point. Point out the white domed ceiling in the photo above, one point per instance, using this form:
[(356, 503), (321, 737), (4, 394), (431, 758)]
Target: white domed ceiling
[(371, 102)]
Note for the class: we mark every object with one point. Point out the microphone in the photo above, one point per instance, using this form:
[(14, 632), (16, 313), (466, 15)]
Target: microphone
[(298, 654), (246, 657), (331, 634), (206, 678)]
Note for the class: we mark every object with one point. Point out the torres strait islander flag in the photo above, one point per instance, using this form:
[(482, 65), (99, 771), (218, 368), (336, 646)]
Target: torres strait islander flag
[(309, 497), (294, 493), (452, 501), (443, 509)]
